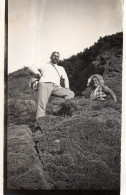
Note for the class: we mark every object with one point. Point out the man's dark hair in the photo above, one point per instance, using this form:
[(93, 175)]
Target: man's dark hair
[(55, 52)]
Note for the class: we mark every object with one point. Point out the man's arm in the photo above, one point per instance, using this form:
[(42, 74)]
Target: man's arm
[(64, 75), (34, 70), (107, 90)]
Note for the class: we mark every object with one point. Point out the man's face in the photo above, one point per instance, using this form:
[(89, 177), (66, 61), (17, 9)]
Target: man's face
[(54, 58)]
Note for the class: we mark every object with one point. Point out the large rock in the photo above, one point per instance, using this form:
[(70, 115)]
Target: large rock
[(24, 111), (82, 151), (21, 111), (78, 152), (24, 168)]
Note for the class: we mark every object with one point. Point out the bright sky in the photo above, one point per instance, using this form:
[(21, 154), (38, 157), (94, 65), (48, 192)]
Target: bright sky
[(36, 28)]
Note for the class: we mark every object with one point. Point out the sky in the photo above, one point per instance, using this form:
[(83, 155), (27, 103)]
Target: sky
[(36, 28)]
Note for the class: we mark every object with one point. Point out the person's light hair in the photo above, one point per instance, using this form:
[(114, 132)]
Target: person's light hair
[(99, 77)]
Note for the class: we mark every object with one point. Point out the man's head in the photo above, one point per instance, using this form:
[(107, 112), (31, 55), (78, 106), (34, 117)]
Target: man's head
[(55, 57)]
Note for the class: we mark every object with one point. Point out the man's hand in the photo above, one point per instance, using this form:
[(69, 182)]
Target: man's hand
[(36, 72), (38, 75)]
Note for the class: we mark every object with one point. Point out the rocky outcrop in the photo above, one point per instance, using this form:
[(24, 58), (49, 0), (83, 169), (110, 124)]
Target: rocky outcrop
[(81, 152), (21, 111), (77, 149), (24, 168)]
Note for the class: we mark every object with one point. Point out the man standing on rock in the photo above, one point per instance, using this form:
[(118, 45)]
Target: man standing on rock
[(50, 83)]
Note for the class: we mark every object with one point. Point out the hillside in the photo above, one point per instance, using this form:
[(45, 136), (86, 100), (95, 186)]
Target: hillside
[(79, 67), (79, 146)]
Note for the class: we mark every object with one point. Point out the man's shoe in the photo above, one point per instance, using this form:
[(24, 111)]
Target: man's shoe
[(37, 127)]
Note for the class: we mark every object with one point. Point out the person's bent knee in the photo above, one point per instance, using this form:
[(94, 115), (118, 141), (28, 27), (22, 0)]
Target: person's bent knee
[(70, 95)]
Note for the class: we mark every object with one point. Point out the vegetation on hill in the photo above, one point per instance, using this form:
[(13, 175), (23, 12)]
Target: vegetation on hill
[(79, 67)]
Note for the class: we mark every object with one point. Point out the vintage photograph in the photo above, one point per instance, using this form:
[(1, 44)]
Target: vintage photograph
[(64, 96)]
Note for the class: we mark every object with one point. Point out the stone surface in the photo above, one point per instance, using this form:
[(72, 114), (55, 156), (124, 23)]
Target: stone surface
[(78, 148), (77, 152), (82, 150), (24, 168), (21, 111)]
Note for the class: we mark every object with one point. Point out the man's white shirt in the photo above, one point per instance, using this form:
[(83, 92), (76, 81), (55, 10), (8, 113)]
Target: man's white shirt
[(50, 74)]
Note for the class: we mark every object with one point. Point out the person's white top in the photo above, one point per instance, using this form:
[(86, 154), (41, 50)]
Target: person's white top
[(50, 74)]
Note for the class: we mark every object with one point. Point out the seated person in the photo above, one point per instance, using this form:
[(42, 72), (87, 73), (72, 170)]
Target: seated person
[(49, 82), (99, 91)]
